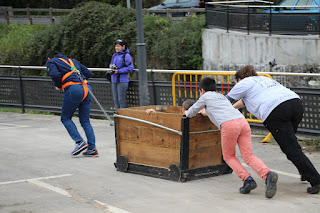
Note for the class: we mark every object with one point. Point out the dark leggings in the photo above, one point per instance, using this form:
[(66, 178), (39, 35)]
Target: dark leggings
[(283, 122)]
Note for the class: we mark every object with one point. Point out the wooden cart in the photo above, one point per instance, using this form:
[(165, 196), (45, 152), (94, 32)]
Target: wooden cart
[(166, 144)]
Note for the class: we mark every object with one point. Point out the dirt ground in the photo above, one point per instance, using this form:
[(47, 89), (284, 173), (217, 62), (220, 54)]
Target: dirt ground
[(308, 144)]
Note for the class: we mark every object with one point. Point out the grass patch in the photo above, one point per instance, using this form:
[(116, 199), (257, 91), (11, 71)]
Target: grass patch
[(10, 110), (310, 144), (16, 40), (14, 36)]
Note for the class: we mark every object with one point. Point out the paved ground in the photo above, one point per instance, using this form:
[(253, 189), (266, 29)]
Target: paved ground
[(37, 174)]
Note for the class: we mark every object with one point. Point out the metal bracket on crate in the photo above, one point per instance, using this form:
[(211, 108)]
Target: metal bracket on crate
[(161, 108)]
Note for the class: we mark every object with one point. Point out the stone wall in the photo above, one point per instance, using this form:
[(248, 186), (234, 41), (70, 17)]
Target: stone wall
[(277, 53)]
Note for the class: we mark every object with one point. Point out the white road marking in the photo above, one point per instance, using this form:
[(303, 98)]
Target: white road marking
[(111, 208), (257, 136), (32, 179), (279, 172), (286, 173), (50, 187)]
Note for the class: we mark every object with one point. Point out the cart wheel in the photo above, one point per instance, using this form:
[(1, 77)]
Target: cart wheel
[(122, 163), (174, 172)]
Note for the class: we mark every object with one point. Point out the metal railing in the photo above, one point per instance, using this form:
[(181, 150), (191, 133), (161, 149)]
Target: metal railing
[(38, 93), (262, 18)]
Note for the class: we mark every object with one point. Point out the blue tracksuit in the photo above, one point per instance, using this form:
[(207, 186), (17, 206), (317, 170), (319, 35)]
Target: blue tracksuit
[(57, 69), (72, 99)]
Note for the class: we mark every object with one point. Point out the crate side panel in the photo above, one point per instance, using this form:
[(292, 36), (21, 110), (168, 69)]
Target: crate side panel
[(146, 144), (149, 155), (204, 148), (169, 120), (201, 123), (170, 109)]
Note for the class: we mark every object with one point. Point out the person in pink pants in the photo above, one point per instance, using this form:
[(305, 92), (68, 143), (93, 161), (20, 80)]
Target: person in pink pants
[(234, 130)]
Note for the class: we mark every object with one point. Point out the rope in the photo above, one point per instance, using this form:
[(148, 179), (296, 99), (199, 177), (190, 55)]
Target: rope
[(160, 126), (94, 98)]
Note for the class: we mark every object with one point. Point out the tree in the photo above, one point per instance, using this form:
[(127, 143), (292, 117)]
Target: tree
[(88, 34)]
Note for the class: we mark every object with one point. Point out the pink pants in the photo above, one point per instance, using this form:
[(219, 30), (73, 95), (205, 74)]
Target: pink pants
[(238, 131)]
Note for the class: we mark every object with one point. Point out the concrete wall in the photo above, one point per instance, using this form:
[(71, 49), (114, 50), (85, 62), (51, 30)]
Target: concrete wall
[(229, 51)]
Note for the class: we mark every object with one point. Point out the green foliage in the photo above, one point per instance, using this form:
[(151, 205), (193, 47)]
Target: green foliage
[(313, 142), (27, 111), (71, 3), (10, 110), (173, 44), (88, 34), (15, 39)]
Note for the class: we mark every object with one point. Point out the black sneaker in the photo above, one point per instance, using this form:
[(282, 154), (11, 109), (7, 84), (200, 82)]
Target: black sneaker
[(248, 185), (79, 148), (271, 184), (91, 153), (314, 189)]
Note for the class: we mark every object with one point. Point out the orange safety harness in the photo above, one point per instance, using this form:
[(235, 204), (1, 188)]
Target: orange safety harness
[(73, 70)]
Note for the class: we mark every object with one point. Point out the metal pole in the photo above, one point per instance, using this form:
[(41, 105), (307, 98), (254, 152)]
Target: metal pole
[(154, 89), (319, 24), (248, 21), (227, 19), (270, 19), (143, 80), (128, 4), (94, 97), (21, 90)]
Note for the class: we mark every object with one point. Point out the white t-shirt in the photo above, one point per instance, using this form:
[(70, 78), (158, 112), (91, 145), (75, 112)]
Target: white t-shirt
[(261, 95), (218, 108)]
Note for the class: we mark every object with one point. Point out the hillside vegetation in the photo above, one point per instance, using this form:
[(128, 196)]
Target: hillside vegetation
[(88, 34)]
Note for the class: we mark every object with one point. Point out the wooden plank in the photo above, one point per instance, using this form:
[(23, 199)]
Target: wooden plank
[(201, 123), (204, 140), (148, 155), (146, 144), (170, 120), (149, 145), (151, 136), (170, 109), (205, 149), (205, 156)]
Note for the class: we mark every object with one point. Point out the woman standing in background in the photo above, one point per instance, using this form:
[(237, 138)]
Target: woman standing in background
[(121, 64)]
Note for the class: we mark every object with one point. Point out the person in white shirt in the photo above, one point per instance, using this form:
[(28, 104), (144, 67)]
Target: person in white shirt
[(281, 111), (234, 130)]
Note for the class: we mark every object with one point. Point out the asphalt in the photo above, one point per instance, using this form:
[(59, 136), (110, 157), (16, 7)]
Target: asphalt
[(37, 174)]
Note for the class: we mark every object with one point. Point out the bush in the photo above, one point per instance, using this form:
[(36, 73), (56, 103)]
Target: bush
[(88, 34), (173, 44), (73, 3), (15, 40)]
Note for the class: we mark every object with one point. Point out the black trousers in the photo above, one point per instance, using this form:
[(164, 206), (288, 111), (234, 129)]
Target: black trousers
[(283, 122)]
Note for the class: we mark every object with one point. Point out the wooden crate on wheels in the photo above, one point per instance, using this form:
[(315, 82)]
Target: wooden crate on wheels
[(168, 145)]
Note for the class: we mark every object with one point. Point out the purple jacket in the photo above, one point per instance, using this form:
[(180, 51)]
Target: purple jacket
[(124, 69)]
